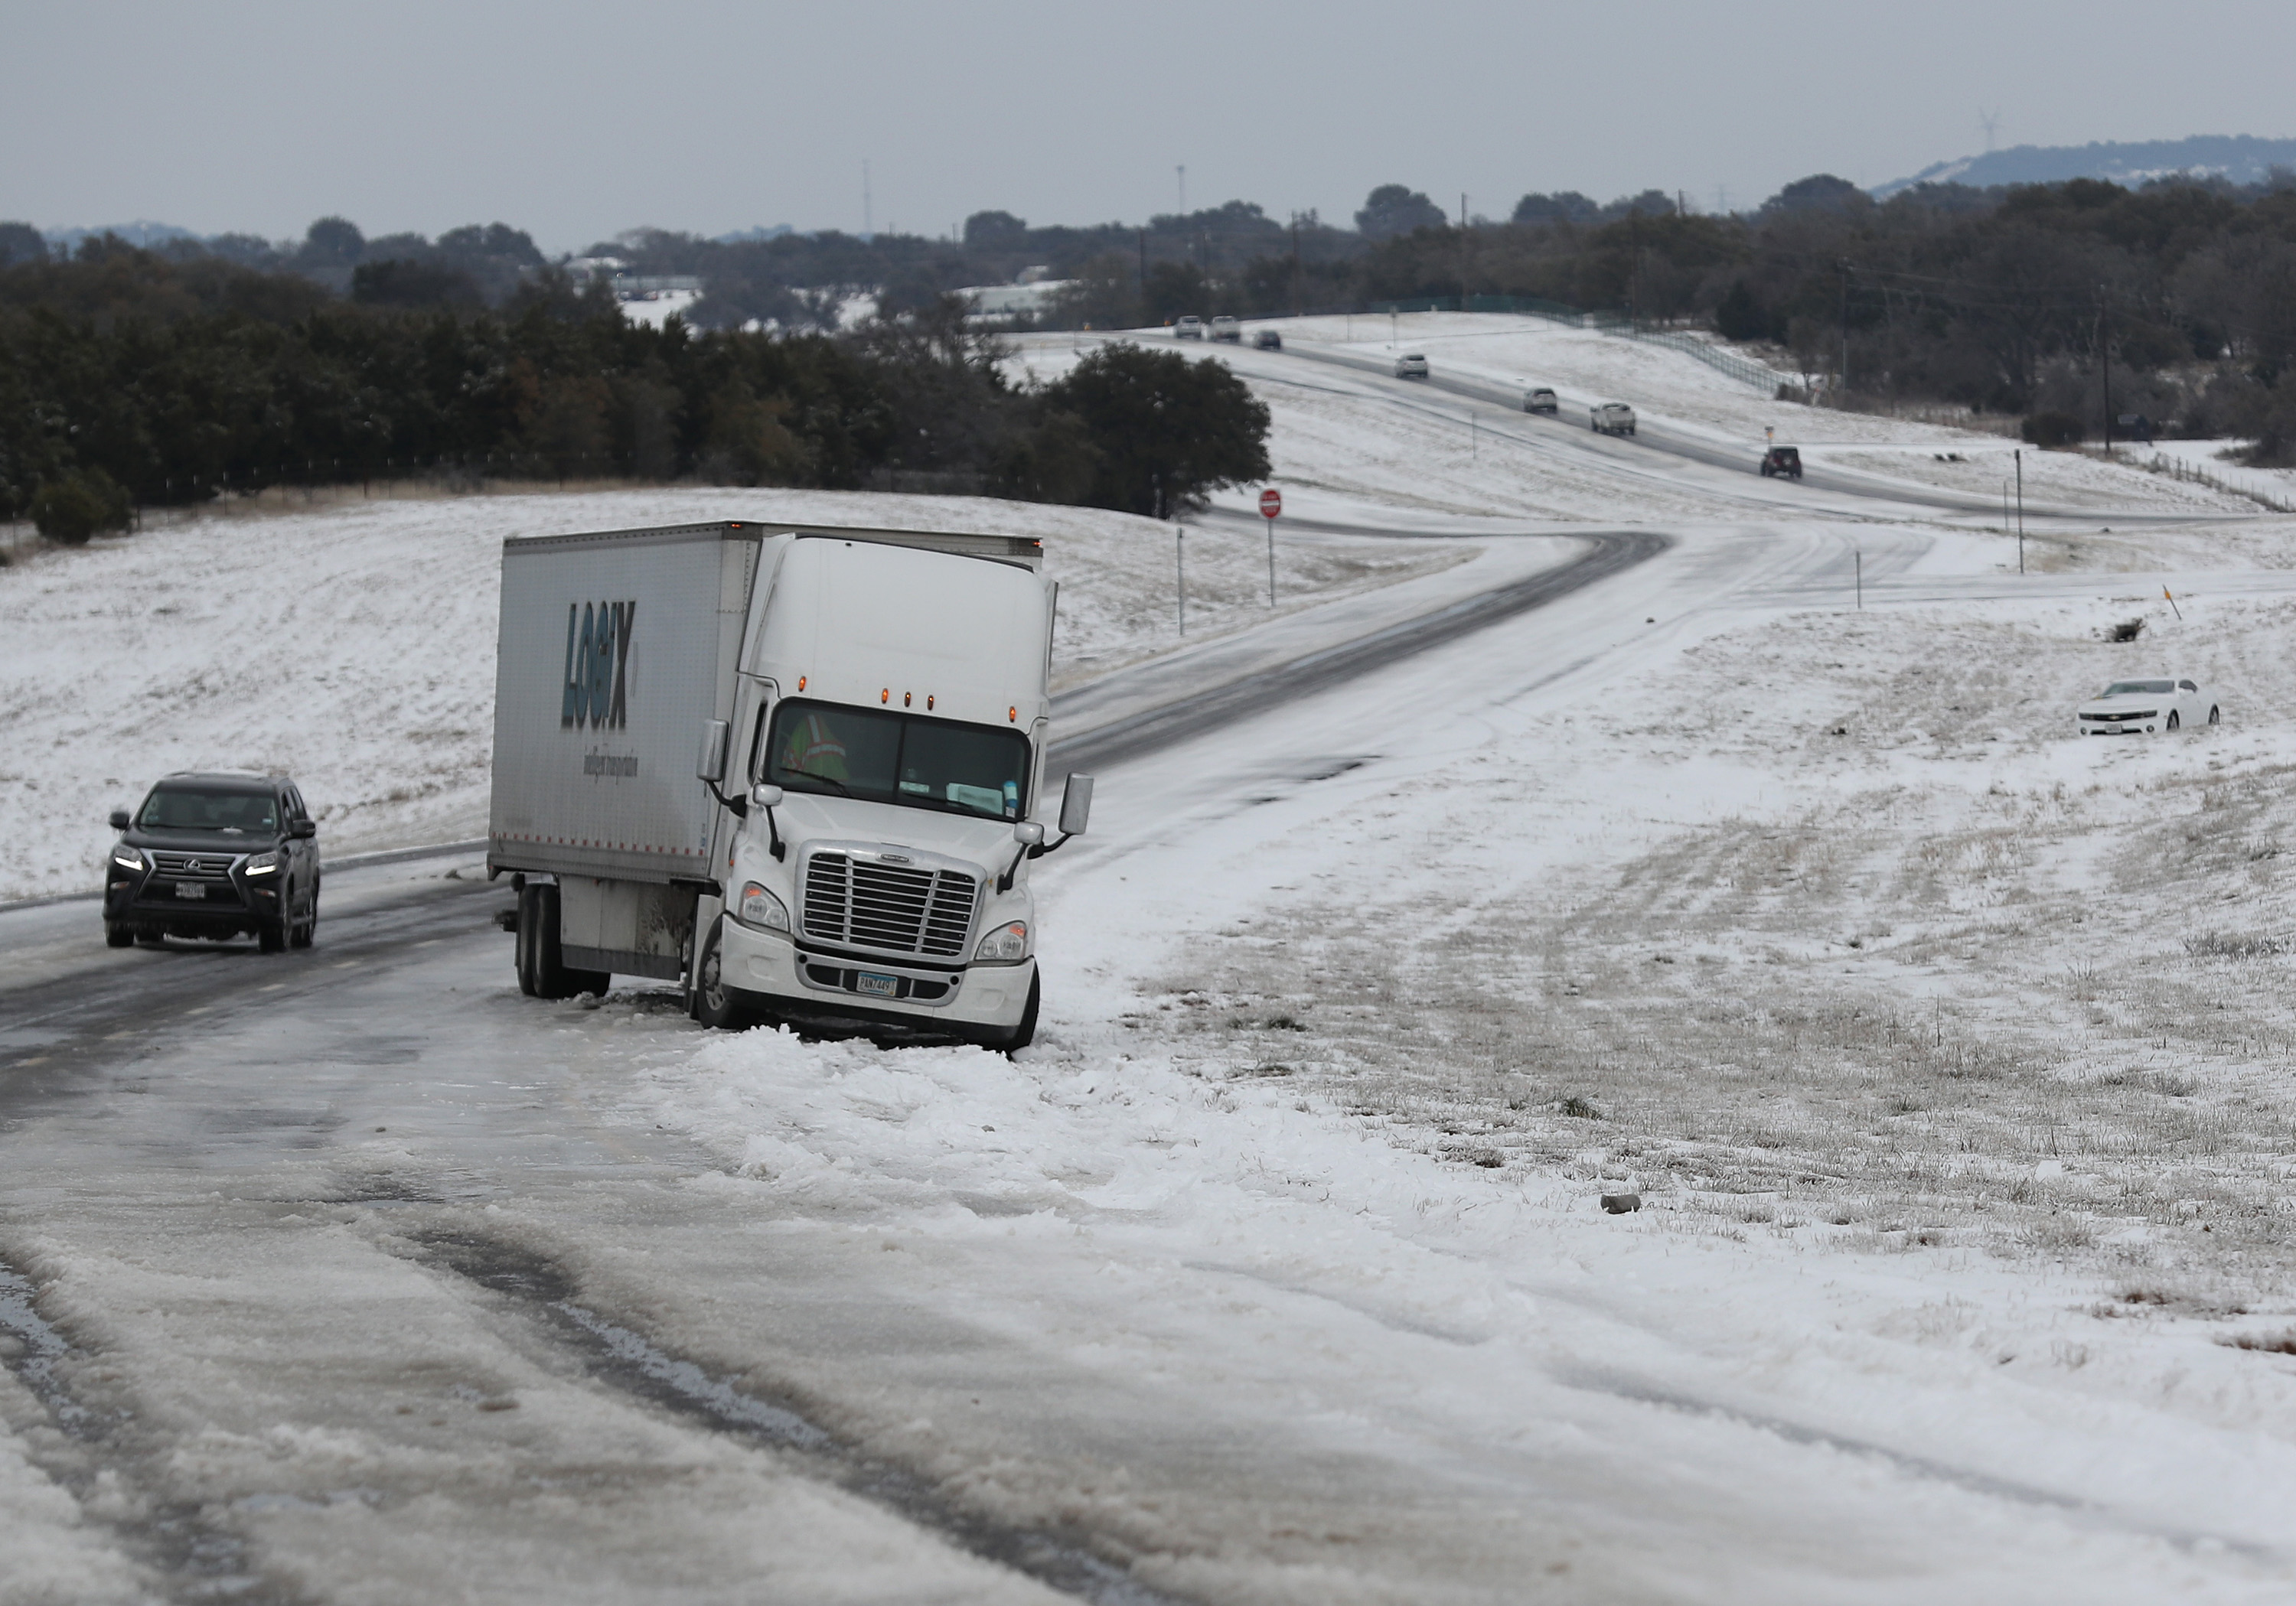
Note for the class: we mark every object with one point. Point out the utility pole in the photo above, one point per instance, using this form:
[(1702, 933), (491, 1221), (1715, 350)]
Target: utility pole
[(868, 214), (1296, 307), (1182, 171), (1146, 313), (2020, 454), (1841, 393), (1634, 264), (1462, 250), (2104, 366)]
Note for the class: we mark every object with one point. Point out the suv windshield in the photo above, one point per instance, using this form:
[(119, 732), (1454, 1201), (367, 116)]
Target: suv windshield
[(204, 809), (894, 757), (2139, 688)]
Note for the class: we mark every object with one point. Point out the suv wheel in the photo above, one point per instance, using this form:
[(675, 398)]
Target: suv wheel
[(118, 934), (271, 938)]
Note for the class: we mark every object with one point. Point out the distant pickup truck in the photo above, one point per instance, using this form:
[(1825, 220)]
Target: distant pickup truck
[(1224, 328), (1613, 418)]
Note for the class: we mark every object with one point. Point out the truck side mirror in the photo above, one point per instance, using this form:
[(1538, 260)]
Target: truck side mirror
[(710, 765), (1028, 833), (767, 795), (118, 819), (1076, 805)]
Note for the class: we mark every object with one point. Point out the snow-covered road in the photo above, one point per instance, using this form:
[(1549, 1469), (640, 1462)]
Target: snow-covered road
[(1275, 1271)]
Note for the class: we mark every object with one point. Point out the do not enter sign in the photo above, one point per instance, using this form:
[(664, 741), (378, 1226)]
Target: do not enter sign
[(1271, 502)]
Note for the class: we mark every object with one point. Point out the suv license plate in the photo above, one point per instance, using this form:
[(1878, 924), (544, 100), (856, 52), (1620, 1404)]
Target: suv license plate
[(190, 890), (876, 987)]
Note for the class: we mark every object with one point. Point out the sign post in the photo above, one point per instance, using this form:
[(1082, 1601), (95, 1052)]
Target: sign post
[(1271, 502)]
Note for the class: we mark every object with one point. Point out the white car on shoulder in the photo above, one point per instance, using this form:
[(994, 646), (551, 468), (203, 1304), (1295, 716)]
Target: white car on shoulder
[(2140, 708), (1413, 366)]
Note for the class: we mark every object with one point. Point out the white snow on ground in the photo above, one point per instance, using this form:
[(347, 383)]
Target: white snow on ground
[(50, 1551), (1945, 1047), (659, 307), (2215, 458), (354, 648)]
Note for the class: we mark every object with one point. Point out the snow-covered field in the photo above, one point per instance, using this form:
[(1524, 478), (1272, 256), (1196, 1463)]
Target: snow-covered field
[(1944, 1051), (354, 648)]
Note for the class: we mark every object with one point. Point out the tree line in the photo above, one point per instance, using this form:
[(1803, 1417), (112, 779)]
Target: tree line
[(130, 377)]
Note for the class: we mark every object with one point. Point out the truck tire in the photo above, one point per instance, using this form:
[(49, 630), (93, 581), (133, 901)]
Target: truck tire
[(552, 977), (119, 934), (711, 1005), (522, 939), (1013, 1042)]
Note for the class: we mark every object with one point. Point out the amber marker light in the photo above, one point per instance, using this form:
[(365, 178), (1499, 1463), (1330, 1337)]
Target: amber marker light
[(800, 683), (929, 702), (905, 698), (1012, 714), (886, 695)]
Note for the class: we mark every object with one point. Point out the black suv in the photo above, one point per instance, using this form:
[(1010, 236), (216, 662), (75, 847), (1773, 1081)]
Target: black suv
[(215, 856)]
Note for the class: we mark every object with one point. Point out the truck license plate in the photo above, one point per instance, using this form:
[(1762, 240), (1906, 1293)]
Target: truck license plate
[(876, 987), (190, 890)]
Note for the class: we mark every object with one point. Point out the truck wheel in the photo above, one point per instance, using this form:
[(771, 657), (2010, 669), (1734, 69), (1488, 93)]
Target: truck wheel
[(1024, 1034), (538, 907), (712, 1005), (117, 934)]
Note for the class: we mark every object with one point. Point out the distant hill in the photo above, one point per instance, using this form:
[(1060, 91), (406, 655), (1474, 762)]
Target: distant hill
[(140, 233), (2242, 159)]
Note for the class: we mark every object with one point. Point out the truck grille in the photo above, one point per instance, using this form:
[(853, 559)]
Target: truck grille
[(194, 866), (863, 903)]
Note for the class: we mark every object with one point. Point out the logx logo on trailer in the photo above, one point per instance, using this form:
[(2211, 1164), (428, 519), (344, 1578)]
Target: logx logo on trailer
[(597, 665)]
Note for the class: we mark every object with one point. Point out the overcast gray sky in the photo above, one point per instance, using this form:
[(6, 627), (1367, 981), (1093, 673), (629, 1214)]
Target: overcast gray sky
[(577, 121)]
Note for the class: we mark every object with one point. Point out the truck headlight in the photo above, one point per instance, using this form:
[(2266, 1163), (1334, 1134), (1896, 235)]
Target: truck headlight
[(127, 859), (263, 864), (1006, 944), (759, 907)]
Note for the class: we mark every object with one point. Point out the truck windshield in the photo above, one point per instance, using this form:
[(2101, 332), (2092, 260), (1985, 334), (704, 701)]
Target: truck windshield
[(888, 757), (196, 808)]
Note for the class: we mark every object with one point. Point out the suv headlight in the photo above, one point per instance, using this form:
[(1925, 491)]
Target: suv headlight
[(263, 864), (1006, 944), (759, 907), (127, 859)]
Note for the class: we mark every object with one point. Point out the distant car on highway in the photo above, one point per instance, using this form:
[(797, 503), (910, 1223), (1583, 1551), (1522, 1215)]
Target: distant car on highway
[(1540, 399), (2136, 708), (1613, 418), (1224, 328), (214, 855), (1267, 339), (1781, 460), (1190, 328), (1413, 366)]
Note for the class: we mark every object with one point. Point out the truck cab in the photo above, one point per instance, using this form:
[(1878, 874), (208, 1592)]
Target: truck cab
[(891, 726)]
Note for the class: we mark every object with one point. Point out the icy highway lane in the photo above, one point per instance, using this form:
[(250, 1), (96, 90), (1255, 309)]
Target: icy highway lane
[(353, 1275)]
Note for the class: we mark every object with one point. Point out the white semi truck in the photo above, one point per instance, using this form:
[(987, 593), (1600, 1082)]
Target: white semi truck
[(872, 713)]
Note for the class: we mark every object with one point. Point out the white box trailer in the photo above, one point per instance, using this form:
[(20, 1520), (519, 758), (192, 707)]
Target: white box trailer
[(872, 712)]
